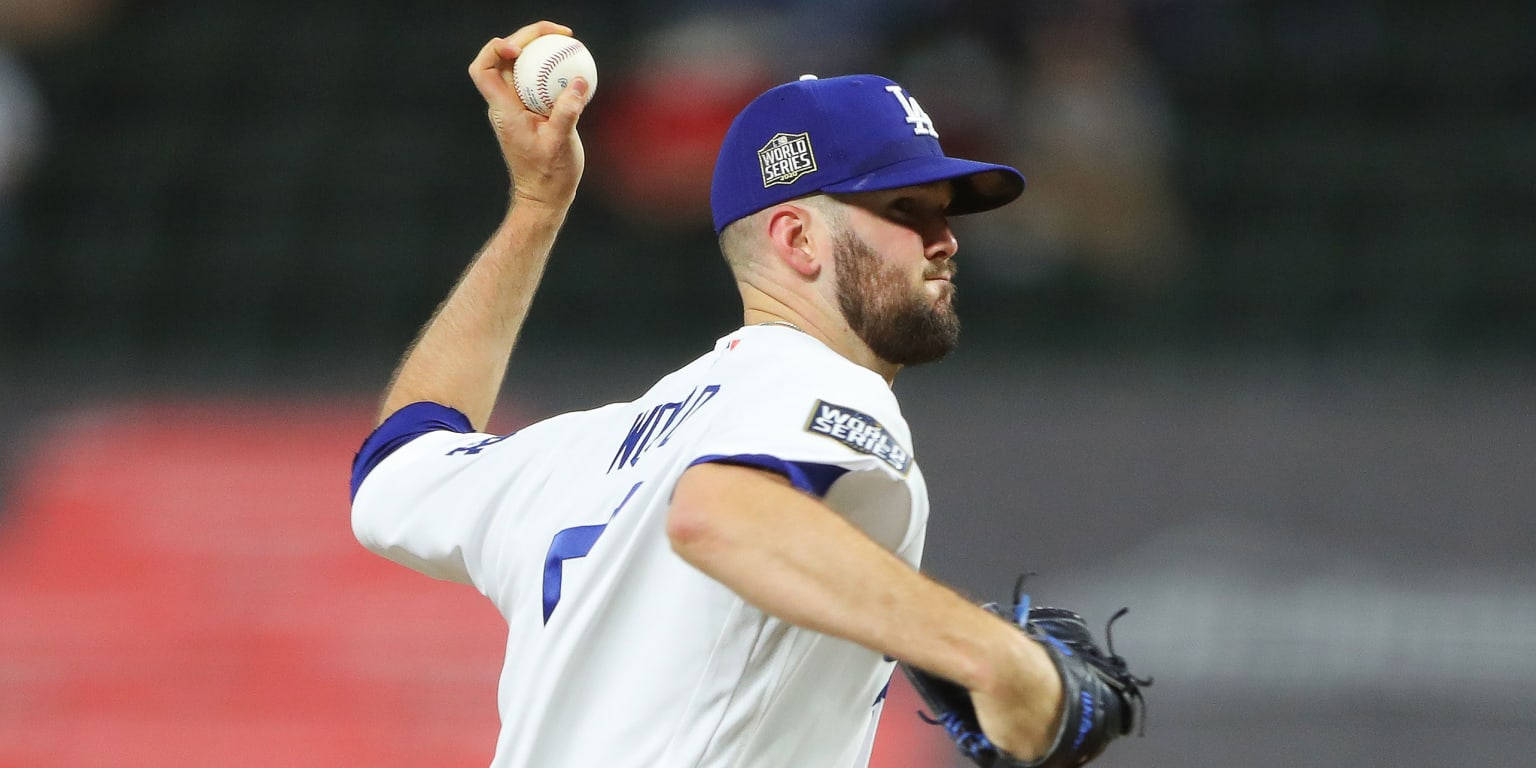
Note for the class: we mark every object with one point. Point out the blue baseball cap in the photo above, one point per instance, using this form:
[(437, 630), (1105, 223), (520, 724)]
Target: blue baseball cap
[(842, 134)]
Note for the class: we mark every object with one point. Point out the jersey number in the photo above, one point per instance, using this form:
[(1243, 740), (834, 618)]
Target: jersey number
[(570, 544)]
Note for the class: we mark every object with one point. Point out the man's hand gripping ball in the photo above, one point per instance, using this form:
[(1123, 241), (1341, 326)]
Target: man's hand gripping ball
[(543, 153)]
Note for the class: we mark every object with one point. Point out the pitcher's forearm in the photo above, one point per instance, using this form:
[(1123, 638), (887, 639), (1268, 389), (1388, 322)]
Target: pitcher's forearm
[(460, 357), (792, 557)]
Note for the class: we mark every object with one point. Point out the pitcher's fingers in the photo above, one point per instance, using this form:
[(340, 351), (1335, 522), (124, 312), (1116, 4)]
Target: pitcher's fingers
[(486, 73), (488, 56), (524, 36), (568, 106)]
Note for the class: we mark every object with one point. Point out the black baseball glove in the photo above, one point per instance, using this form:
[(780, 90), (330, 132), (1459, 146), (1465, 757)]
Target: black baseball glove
[(1102, 698)]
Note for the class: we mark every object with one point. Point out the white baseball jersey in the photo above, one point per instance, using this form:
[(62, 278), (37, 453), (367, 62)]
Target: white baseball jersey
[(620, 653)]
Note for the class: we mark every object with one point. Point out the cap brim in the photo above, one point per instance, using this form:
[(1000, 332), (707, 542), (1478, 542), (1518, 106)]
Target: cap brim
[(978, 186)]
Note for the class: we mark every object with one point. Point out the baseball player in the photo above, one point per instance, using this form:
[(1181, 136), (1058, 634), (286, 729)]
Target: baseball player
[(721, 572)]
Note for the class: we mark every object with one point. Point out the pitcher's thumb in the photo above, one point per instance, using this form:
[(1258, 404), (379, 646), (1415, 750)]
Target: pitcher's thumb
[(569, 104)]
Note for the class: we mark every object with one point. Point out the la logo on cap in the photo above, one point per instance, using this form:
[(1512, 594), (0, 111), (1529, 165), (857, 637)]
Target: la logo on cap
[(785, 158), (922, 124)]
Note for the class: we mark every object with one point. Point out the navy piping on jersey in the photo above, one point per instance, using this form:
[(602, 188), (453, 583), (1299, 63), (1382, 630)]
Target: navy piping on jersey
[(814, 479), (401, 427)]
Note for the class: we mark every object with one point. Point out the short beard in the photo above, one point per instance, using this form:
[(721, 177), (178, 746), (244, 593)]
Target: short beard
[(900, 327)]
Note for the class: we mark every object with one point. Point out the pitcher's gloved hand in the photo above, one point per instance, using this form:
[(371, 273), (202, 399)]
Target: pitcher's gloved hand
[(1101, 698)]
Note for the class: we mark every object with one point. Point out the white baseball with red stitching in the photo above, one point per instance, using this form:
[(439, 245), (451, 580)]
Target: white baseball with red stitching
[(547, 65)]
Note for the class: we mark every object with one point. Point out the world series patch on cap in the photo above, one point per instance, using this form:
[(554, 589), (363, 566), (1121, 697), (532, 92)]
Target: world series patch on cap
[(853, 133)]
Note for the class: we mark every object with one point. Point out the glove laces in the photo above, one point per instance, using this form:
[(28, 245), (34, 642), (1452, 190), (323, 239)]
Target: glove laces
[(1119, 664), (1114, 661), (972, 743)]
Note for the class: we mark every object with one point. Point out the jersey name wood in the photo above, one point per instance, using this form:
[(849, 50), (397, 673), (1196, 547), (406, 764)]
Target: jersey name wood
[(650, 423)]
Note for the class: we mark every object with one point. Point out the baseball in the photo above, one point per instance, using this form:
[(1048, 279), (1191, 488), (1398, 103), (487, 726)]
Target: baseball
[(546, 66)]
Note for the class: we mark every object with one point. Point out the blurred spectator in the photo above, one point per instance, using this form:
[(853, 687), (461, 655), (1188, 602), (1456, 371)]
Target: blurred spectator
[(23, 23), (661, 127), (1092, 134), (20, 135)]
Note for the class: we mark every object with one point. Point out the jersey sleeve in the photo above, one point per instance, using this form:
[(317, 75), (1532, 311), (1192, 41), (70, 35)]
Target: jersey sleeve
[(401, 427), (840, 440), (408, 502)]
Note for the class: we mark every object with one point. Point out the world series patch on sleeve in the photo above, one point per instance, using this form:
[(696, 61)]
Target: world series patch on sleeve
[(859, 431)]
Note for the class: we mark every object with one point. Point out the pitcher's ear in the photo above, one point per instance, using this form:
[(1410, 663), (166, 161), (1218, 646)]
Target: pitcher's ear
[(791, 238)]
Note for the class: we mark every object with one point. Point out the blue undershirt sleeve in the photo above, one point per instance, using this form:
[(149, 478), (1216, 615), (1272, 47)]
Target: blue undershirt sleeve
[(812, 478), (401, 427)]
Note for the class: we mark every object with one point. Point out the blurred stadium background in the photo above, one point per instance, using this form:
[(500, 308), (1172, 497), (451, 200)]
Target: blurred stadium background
[(1253, 355)]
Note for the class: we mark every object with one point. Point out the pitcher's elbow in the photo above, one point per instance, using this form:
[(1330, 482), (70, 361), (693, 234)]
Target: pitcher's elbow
[(688, 529)]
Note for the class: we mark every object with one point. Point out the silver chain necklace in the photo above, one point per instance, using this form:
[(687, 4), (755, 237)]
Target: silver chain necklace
[(783, 323)]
